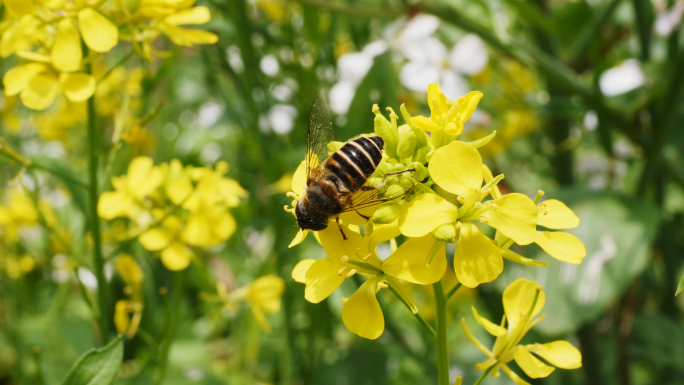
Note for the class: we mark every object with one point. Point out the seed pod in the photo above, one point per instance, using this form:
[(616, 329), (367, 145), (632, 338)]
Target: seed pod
[(407, 145), (387, 213), (446, 233)]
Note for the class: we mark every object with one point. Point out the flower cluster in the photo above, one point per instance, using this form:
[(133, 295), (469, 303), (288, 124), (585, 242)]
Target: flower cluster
[(522, 301), (174, 208), (452, 197), (16, 217), (50, 36)]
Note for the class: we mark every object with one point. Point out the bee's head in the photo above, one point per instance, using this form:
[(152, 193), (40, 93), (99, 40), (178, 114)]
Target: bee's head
[(306, 221)]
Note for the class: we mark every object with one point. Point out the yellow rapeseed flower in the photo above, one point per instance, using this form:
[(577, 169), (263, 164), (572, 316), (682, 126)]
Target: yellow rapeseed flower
[(167, 239), (132, 275), (554, 214), (447, 114), (361, 313), (457, 168), (522, 301), (130, 189)]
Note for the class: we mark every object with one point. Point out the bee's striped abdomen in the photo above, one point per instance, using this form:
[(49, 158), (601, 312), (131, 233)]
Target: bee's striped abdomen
[(356, 160)]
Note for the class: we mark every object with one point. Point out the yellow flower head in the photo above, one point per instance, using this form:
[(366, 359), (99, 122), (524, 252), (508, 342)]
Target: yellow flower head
[(361, 313), (522, 301), (126, 201), (457, 168), (447, 114)]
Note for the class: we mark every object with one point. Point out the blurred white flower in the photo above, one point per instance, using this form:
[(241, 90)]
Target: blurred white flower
[(352, 68), (668, 21), (209, 113), (281, 118), (430, 62), (623, 78), (269, 65)]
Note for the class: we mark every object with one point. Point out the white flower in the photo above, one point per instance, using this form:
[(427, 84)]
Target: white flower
[(352, 68), (622, 78)]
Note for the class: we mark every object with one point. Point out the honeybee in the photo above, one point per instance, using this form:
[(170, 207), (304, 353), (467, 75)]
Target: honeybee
[(331, 184)]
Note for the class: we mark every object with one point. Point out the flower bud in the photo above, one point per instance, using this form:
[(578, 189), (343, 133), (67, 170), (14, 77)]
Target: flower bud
[(399, 167), (406, 181), (421, 171), (383, 168), (420, 154), (387, 213), (387, 131), (421, 138), (428, 156), (407, 145), (446, 233), (334, 146)]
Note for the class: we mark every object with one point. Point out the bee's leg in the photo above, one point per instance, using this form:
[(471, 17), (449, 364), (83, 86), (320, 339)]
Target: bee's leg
[(339, 226), (363, 216), (384, 179)]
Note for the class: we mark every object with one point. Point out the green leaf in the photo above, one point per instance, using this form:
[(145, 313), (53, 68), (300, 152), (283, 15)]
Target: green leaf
[(680, 287), (618, 233), (96, 367)]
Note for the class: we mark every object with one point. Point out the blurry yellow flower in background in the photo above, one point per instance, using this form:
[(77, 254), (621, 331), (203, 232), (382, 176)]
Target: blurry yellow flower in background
[(142, 179), (477, 259), (175, 254), (131, 273), (522, 301)]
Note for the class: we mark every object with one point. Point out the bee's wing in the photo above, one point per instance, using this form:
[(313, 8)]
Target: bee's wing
[(364, 199), (320, 133)]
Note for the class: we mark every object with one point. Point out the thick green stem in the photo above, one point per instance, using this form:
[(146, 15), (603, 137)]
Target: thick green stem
[(169, 328), (441, 336), (483, 375), (93, 197)]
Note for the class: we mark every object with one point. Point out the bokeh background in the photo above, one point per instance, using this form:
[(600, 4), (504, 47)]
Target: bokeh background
[(585, 96)]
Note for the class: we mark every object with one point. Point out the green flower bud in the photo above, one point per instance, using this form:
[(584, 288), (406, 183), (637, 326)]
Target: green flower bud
[(387, 213), (407, 145), (419, 156), (428, 156), (387, 131), (399, 167), (421, 171), (406, 181), (421, 137), (446, 233), (383, 168)]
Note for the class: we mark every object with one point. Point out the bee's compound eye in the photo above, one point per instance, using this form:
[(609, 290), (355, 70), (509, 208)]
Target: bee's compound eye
[(306, 221)]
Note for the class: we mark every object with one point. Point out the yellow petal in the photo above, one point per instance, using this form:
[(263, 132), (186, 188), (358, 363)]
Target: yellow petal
[(474, 340), (530, 364), (114, 204), (515, 216), (425, 124), (40, 92), (556, 215), (261, 319), (188, 37), (518, 298), (299, 179), (77, 86), (435, 93), (513, 376), (155, 239), (468, 104), (143, 177), (19, 7), (299, 271), (322, 280), (476, 259), (265, 292), (66, 50), (335, 246), (224, 226), (33, 56), (425, 213), (562, 246), (560, 354), (99, 33), (408, 262), (197, 231), (16, 79), (382, 233), (195, 15), (457, 168), (488, 177), (179, 190), (177, 256), (301, 235), (490, 326), (121, 320), (361, 313)]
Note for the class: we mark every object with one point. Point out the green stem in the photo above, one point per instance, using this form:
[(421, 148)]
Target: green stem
[(169, 329), (441, 336), (118, 64), (93, 195), (453, 291), (483, 375), (373, 12), (419, 317)]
